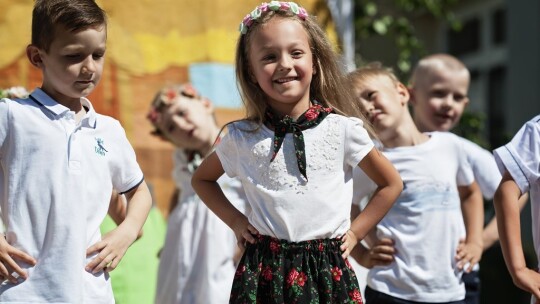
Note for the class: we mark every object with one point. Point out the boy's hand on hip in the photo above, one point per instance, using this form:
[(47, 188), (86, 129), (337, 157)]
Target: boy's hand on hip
[(468, 254), (381, 254), (111, 249), (9, 269)]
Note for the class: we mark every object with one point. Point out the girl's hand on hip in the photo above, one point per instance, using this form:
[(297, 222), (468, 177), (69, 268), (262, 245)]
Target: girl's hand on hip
[(9, 269), (349, 240), (244, 232)]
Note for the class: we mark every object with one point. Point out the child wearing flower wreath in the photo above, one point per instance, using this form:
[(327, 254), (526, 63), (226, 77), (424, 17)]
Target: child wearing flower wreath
[(197, 261), (294, 154)]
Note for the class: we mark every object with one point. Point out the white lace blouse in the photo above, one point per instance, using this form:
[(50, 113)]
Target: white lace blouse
[(283, 204)]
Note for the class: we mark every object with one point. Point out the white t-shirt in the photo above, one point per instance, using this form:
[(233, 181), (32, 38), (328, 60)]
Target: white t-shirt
[(483, 164), (196, 263), (283, 204), (58, 179), (521, 158), (425, 222)]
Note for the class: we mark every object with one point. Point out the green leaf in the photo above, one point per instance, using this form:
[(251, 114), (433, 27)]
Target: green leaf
[(371, 9), (380, 27)]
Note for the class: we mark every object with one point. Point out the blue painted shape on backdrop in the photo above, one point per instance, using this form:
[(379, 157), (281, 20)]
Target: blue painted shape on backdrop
[(216, 81)]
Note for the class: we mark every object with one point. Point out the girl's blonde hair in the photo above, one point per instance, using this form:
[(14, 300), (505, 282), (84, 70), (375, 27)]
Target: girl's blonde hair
[(329, 85)]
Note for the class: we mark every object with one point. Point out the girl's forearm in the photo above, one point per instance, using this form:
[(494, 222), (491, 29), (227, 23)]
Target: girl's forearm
[(377, 207), (213, 197)]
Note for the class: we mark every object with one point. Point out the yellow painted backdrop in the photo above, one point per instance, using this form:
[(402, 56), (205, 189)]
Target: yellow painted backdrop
[(150, 43)]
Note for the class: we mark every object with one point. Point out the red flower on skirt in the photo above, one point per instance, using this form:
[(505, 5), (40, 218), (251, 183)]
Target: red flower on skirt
[(336, 273), (274, 247), (356, 296), (240, 270), (267, 273), (291, 278)]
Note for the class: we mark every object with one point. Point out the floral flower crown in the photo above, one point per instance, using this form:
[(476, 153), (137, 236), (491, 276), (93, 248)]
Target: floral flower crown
[(271, 6), (14, 92), (166, 97)]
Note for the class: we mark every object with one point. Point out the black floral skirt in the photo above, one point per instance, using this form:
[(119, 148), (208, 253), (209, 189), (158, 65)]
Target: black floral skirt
[(278, 271)]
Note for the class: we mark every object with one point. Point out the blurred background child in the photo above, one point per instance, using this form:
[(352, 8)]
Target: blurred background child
[(439, 88), (197, 262)]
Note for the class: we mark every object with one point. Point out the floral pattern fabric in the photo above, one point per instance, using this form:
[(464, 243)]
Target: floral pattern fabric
[(278, 271), (286, 124)]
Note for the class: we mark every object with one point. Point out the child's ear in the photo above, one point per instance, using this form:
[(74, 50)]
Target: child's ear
[(404, 95), (207, 104), (412, 101), (33, 54)]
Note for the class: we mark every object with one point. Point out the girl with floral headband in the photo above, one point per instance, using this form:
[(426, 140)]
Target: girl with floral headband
[(197, 260), (294, 154)]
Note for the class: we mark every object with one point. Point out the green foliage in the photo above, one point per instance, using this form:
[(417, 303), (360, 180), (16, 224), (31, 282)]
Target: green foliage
[(391, 18), (471, 126)]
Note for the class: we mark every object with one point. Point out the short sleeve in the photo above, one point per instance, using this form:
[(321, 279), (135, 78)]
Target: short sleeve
[(484, 167), (126, 173), (521, 156), (357, 141), (363, 187), (227, 151), (4, 122), (465, 174)]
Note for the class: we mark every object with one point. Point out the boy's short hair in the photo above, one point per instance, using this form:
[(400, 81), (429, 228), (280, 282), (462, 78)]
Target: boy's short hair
[(74, 15), (370, 70), (435, 62)]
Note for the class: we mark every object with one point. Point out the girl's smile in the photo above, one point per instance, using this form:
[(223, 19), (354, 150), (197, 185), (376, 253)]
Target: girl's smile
[(281, 62)]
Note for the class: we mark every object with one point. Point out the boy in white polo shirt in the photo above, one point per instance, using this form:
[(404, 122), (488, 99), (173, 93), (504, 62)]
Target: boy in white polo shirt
[(519, 163), (60, 161)]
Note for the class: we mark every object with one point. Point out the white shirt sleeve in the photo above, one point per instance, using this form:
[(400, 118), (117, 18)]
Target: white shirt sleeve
[(357, 141), (484, 167), (465, 174), (227, 151), (126, 173), (521, 156)]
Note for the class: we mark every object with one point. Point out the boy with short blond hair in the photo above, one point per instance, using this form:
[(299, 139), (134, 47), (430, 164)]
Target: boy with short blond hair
[(440, 203)]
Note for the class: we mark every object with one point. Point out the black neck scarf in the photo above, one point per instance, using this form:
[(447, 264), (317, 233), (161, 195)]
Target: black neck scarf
[(286, 124)]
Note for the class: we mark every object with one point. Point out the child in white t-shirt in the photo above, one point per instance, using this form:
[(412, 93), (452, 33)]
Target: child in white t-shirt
[(197, 261), (440, 203), (294, 157), (60, 162), (519, 162), (439, 88)]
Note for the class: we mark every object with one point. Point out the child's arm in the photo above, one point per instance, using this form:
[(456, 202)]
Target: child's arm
[(508, 221), (114, 244), (472, 205), (381, 254), (204, 182), (118, 209), (490, 235), (389, 186)]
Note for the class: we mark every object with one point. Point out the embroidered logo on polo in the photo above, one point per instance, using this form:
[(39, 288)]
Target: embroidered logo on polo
[(100, 149)]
